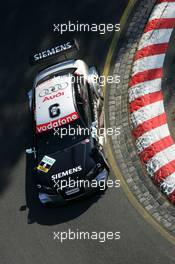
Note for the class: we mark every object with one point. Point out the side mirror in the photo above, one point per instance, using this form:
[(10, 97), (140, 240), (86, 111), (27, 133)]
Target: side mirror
[(30, 151)]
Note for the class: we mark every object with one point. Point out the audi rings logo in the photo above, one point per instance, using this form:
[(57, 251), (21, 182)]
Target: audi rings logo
[(53, 89)]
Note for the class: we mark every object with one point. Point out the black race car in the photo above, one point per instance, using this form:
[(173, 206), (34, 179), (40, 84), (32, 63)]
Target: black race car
[(67, 107)]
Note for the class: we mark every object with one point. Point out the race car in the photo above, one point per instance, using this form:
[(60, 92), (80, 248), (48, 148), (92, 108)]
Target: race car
[(67, 108)]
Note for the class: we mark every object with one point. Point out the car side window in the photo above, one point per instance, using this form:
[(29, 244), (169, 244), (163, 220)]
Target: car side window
[(81, 95), (87, 106)]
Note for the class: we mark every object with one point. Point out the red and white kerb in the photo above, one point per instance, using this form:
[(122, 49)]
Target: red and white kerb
[(154, 143)]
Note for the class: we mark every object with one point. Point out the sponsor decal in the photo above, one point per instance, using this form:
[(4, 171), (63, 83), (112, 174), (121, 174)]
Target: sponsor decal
[(52, 89), (54, 104), (57, 123), (47, 98), (66, 173), (49, 52), (45, 164)]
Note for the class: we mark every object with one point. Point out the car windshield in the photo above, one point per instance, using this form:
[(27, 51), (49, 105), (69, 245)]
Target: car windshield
[(61, 138), (65, 72)]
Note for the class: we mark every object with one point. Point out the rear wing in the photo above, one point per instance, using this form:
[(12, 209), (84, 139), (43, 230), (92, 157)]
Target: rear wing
[(59, 53)]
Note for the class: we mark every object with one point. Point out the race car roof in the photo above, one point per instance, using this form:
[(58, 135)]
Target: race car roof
[(56, 91)]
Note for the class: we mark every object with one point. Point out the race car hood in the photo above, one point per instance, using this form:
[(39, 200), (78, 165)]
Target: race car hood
[(76, 161)]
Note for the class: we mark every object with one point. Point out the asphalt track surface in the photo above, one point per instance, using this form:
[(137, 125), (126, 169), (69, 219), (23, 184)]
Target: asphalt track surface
[(26, 229)]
